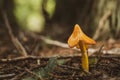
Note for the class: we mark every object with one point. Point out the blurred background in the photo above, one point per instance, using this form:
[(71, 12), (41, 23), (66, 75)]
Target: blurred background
[(56, 18), (41, 28)]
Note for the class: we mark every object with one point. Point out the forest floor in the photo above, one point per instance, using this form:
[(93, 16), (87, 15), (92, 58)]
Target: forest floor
[(50, 62)]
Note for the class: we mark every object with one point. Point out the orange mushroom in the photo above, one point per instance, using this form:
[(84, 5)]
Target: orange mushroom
[(81, 41)]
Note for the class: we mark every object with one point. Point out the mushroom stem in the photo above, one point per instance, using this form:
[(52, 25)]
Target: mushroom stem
[(81, 41), (85, 63)]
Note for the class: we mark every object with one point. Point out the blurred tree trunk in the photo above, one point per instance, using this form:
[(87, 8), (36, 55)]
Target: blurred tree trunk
[(98, 18), (106, 18), (67, 14), (8, 7)]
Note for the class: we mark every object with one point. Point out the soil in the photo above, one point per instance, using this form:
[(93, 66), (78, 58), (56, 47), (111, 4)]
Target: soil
[(103, 69), (14, 67)]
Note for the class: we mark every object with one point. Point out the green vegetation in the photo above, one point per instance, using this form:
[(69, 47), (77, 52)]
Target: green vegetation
[(29, 13)]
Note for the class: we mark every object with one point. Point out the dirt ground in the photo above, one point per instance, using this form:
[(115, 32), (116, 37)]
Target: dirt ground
[(59, 69), (41, 63)]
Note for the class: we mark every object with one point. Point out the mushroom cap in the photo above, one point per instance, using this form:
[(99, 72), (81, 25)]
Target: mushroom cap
[(77, 36)]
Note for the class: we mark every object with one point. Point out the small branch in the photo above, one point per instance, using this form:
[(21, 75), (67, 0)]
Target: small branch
[(48, 41), (14, 40), (64, 45), (70, 67), (35, 58), (7, 75), (59, 77), (25, 72), (55, 42), (58, 57), (18, 75), (100, 51), (101, 24), (29, 71)]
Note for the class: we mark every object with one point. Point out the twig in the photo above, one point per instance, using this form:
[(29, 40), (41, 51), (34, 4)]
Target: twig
[(36, 57), (73, 68), (56, 43), (17, 76), (101, 24), (24, 72), (99, 55), (70, 67), (29, 71), (58, 77), (14, 40), (58, 57), (100, 51), (64, 45), (48, 41), (7, 75)]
